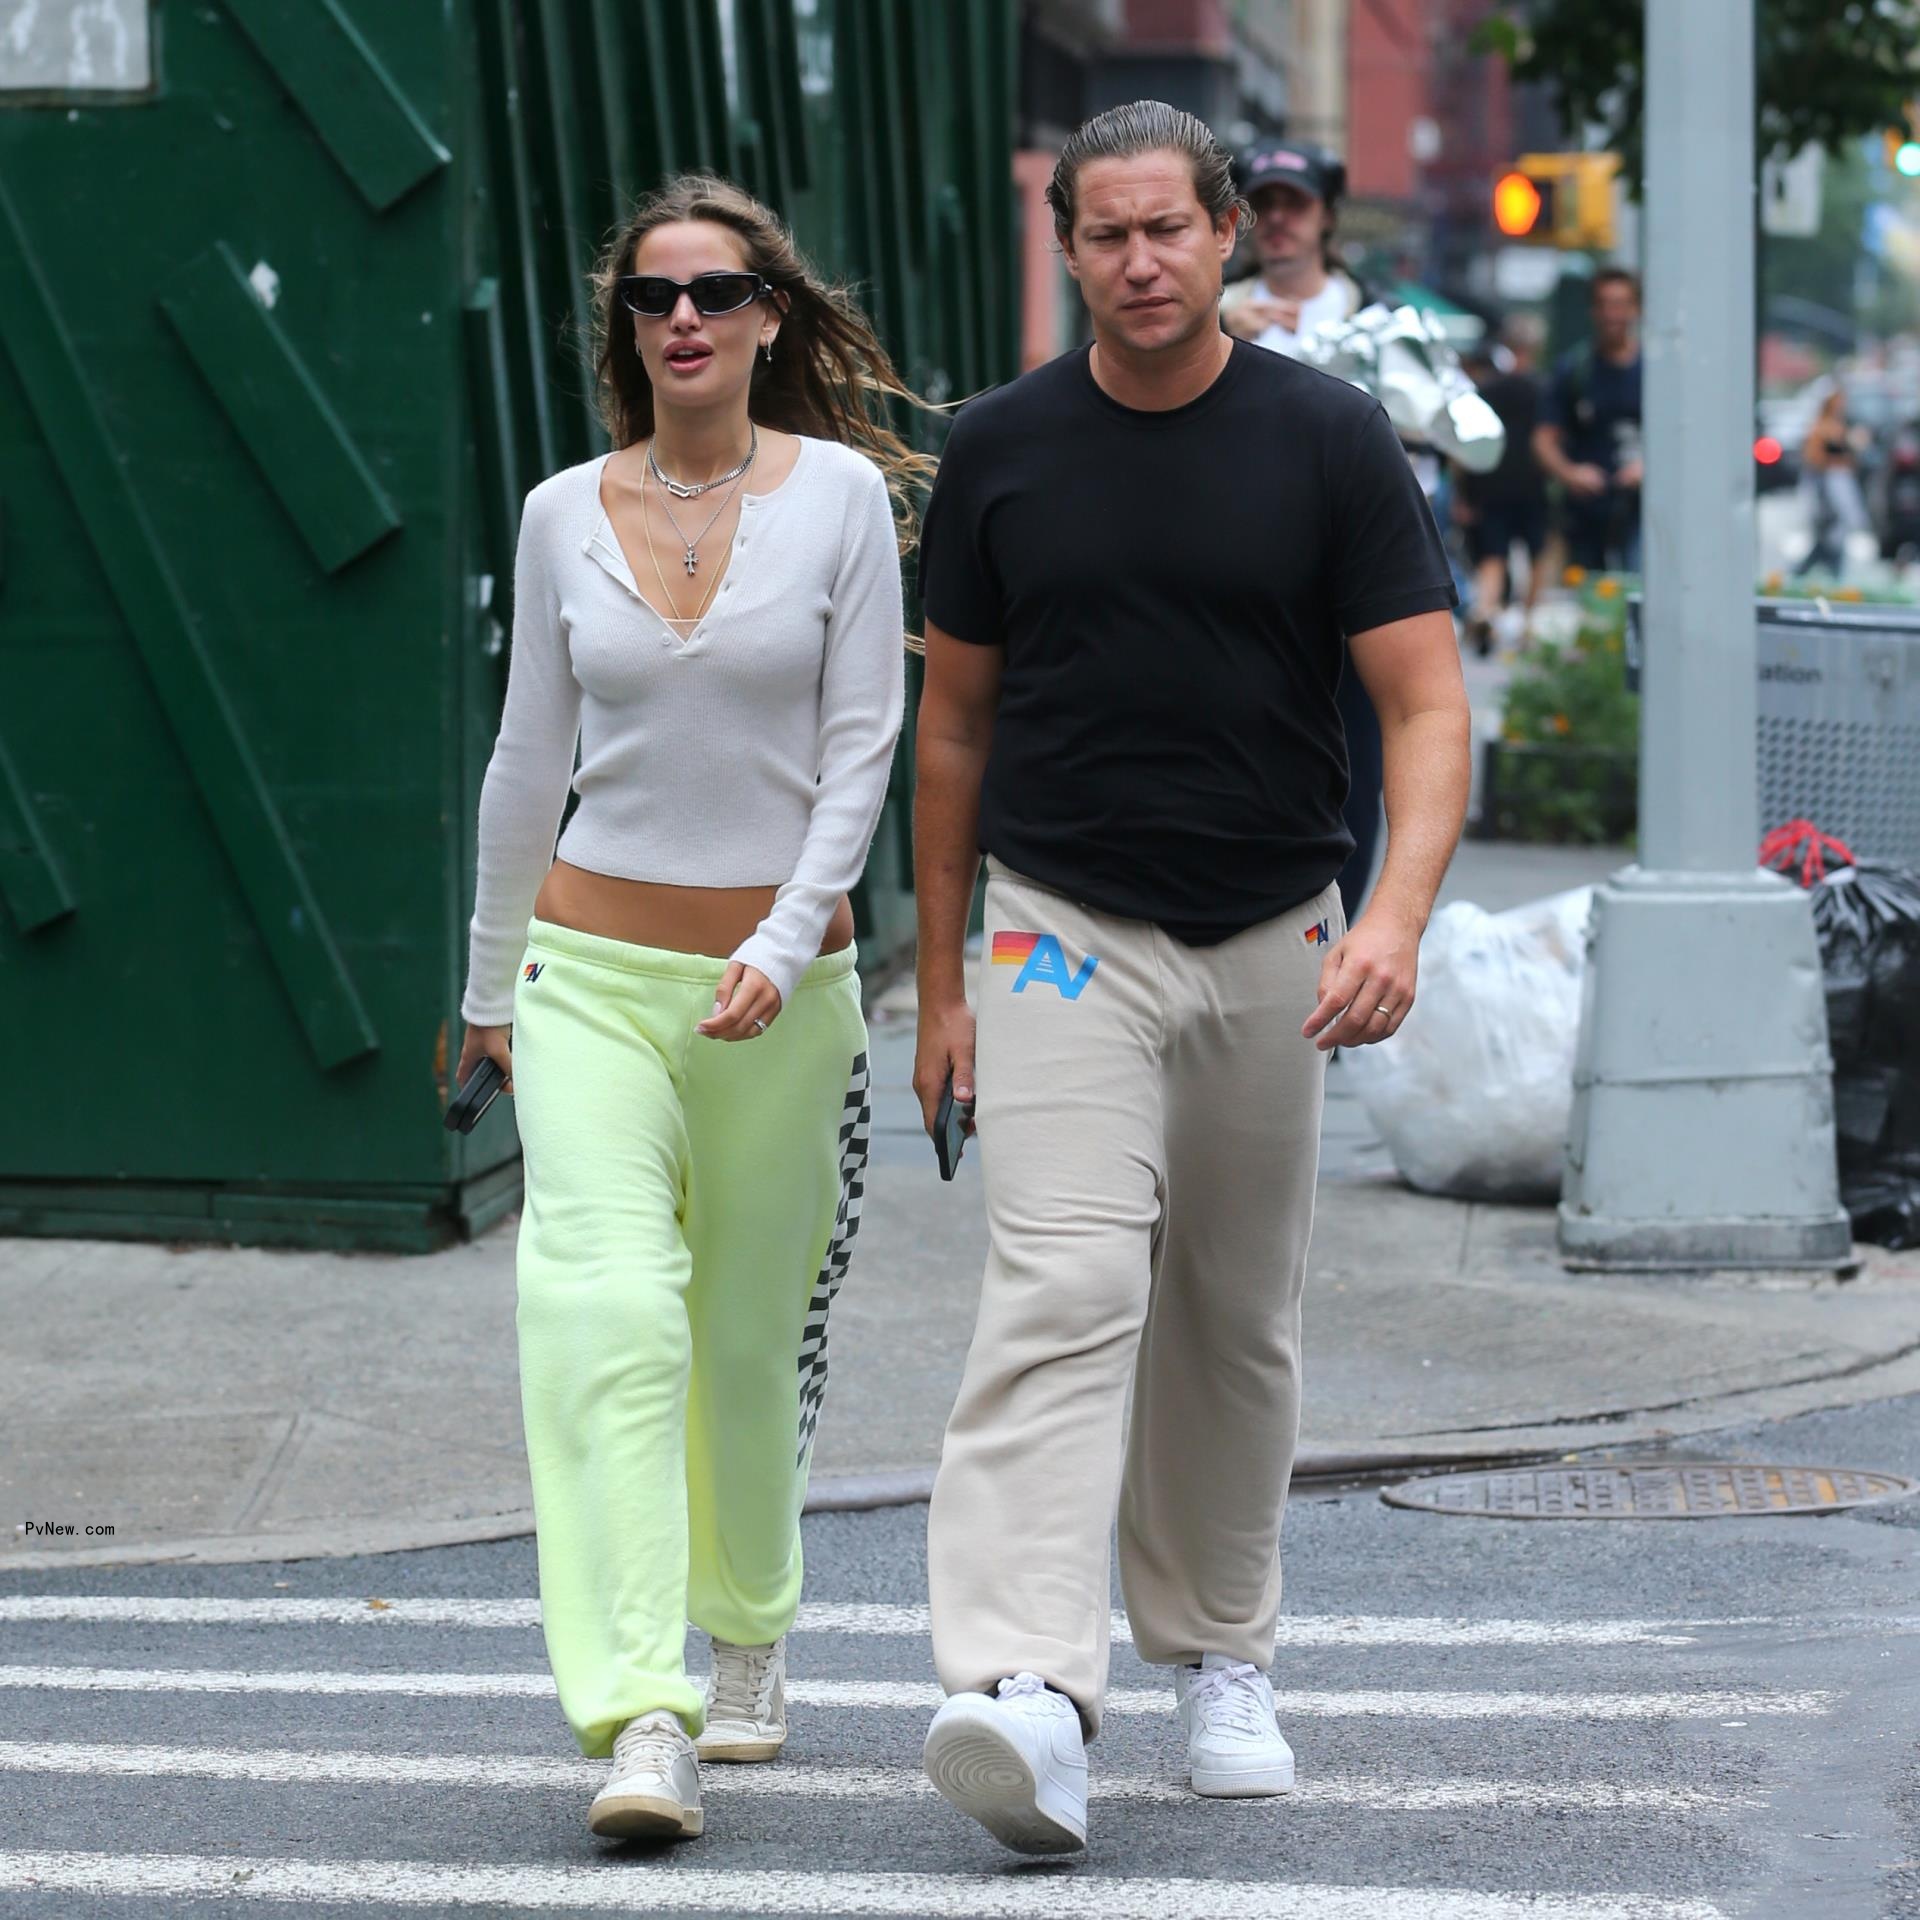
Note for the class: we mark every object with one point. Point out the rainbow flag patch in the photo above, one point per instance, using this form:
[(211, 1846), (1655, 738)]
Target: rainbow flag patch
[(1014, 949)]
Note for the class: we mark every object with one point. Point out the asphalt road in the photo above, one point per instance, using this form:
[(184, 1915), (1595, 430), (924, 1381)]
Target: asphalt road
[(1492, 1718)]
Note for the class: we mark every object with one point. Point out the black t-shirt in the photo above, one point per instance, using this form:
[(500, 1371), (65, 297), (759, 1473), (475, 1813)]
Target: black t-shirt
[(1172, 590), (1595, 402), (1517, 480)]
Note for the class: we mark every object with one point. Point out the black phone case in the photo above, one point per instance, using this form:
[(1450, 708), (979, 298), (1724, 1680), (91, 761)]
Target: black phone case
[(949, 1139), (482, 1089)]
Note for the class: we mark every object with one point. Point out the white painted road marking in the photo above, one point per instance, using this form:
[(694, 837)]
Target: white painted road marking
[(622, 1884), (334, 1767), (1330, 1630), (923, 1696)]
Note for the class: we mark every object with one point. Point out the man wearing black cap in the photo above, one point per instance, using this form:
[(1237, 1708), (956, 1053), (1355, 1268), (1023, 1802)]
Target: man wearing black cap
[(1295, 192)]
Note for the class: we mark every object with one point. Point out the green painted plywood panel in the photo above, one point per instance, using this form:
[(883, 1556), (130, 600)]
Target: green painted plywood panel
[(31, 882), (248, 823), (369, 126), (276, 406), (427, 192)]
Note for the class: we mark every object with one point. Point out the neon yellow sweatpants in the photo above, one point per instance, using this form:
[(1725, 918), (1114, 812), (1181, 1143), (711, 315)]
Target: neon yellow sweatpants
[(690, 1211)]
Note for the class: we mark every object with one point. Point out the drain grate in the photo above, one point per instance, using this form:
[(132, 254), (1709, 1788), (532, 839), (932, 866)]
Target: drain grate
[(1711, 1490)]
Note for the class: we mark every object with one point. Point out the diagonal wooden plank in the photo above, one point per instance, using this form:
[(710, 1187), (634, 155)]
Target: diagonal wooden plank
[(31, 882), (490, 394), (277, 408), (518, 224), (195, 703), (370, 127)]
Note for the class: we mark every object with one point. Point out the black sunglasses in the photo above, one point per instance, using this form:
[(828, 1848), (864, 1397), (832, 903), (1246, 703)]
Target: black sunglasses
[(655, 296)]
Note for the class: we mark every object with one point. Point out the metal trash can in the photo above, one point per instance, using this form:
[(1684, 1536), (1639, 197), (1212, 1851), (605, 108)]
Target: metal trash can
[(1838, 720)]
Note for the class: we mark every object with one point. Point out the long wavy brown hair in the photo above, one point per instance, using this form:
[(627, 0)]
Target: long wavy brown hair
[(829, 376)]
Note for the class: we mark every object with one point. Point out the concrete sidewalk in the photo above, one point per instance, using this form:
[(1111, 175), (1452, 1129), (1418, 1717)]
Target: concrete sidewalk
[(219, 1403)]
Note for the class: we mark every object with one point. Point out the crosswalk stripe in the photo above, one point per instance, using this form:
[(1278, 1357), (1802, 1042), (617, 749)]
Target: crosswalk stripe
[(1331, 1630), (617, 1884), (1431, 1704), (335, 1767)]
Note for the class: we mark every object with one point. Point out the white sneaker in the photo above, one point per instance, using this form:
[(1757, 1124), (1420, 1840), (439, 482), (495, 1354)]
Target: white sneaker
[(1016, 1763), (653, 1791), (746, 1703), (1234, 1745)]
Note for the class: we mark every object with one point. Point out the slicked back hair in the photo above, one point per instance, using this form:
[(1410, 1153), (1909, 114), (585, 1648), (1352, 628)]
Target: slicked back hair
[(1147, 126)]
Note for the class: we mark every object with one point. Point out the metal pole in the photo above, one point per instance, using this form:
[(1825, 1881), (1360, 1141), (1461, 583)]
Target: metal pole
[(1702, 1128), (1699, 809)]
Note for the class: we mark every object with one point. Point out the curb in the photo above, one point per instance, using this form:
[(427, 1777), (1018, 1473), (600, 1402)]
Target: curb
[(834, 1493)]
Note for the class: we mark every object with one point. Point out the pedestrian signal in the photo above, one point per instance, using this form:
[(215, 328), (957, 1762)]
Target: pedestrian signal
[(1558, 200), (1518, 206)]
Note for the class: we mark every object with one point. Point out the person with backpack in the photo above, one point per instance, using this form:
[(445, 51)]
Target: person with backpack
[(1588, 438)]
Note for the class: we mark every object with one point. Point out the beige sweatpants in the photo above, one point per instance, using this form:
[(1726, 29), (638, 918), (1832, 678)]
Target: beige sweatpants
[(1149, 1130)]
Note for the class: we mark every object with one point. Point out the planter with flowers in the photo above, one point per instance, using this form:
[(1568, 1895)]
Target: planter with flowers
[(1565, 766)]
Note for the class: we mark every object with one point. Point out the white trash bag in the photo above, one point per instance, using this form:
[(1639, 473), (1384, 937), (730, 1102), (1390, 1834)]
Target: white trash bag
[(1473, 1094)]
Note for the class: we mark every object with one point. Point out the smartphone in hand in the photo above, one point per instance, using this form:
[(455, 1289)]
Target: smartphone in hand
[(482, 1089), (950, 1130)]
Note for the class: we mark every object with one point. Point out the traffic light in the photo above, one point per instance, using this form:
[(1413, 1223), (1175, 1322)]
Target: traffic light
[(1519, 206), (1558, 200), (1903, 144)]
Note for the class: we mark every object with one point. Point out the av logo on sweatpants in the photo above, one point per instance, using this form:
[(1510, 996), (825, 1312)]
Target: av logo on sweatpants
[(533, 968), (1319, 936), (1041, 960)]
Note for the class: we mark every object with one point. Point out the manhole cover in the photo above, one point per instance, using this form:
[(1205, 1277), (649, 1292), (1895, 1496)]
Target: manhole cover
[(1713, 1490)]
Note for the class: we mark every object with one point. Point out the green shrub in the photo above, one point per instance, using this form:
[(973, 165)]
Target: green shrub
[(1567, 760)]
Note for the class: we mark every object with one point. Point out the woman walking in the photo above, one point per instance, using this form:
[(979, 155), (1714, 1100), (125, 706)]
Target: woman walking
[(1830, 470), (713, 612)]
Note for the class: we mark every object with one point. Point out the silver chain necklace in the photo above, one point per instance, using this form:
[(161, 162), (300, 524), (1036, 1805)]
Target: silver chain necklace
[(681, 490), (690, 559)]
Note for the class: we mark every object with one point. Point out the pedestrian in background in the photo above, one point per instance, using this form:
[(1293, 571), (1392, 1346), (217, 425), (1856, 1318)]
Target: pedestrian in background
[(1301, 282), (1830, 478), (1588, 438), (1294, 193), (1506, 508), (713, 612), (1144, 567)]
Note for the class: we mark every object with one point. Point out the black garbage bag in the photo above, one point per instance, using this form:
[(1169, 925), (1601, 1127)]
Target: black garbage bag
[(1868, 920)]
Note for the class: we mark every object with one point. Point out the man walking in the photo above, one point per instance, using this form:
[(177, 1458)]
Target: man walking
[(1143, 568), (1507, 507), (1301, 284), (1589, 433)]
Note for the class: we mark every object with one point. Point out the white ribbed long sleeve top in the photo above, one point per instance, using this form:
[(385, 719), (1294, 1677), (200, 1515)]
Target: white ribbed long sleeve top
[(753, 751)]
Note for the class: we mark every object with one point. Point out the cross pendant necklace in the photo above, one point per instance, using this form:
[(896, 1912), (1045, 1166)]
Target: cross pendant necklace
[(690, 556)]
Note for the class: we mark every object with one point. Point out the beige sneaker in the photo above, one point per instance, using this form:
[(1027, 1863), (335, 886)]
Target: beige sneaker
[(653, 1792), (746, 1703)]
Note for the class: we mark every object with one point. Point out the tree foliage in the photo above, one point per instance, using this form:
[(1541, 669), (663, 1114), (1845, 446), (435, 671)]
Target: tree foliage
[(1828, 70)]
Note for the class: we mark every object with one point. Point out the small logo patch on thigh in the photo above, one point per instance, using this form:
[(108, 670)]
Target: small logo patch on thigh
[(534, 968), (1042, 960), (1319, 936)]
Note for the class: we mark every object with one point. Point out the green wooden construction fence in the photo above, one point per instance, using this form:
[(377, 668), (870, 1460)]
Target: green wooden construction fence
[(292, 322)]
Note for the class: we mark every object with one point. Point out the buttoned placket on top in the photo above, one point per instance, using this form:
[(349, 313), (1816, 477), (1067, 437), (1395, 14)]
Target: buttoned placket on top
[(603, 546)]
